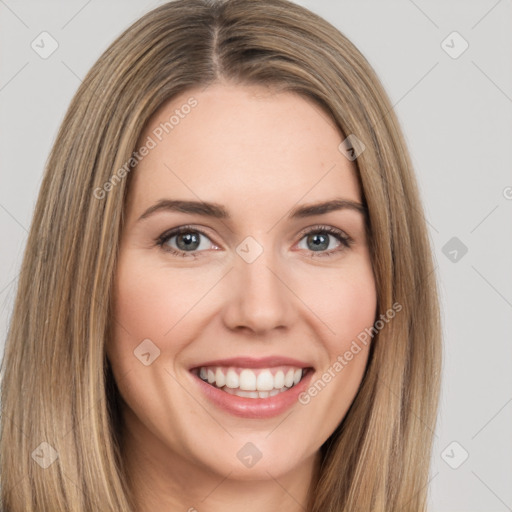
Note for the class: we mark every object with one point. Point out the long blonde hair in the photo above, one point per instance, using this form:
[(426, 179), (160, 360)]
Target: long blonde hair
[(59, 446)]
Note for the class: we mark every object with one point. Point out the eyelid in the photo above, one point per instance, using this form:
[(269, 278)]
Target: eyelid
[(180, 229), (170, 233), (327, 229), (345, 240)]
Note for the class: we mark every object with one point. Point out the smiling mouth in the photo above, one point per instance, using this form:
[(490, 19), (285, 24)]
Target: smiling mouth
[(251, 382)]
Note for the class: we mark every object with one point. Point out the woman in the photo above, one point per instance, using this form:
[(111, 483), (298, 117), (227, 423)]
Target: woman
[(227, 296)]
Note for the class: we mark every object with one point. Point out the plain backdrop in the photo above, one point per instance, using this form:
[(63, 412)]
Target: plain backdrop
[(452, 93)]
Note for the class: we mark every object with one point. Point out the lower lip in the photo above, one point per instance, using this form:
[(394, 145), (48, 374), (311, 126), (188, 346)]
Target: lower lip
[(254, 407)]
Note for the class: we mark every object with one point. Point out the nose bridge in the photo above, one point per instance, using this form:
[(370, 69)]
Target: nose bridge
[(259, 300)]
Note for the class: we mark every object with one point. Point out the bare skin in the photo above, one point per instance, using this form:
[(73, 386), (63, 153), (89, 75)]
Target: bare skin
[(260, 155)]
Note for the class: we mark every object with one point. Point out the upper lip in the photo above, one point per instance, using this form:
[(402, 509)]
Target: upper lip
[(253, 362)]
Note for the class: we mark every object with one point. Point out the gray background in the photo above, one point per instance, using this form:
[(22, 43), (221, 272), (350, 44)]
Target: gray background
[(456, 114)]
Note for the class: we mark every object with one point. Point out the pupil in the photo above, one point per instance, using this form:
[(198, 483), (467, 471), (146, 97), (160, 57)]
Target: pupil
[(189, 241), (319, 241)]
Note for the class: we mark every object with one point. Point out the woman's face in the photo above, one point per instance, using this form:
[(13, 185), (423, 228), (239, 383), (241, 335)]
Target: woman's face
[(262, 286)]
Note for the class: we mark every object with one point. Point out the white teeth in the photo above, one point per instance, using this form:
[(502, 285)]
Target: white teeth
[(260, 383), (265, 381), (220, 379), (288, 380), (232, 380), (244, 394), (247, 380), (279, 379), (253, 394)]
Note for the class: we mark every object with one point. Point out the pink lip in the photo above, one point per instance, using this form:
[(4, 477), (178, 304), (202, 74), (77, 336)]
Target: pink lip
[(254, 407), (251, 362)]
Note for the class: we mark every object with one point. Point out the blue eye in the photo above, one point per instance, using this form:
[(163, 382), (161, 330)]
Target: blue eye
[(183, 240), (187, 241), (318, 241)]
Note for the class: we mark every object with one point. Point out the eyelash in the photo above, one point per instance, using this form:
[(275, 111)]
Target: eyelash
[(345, 240)]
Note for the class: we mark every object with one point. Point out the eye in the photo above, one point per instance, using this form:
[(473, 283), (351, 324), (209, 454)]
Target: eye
[(183, 240), (324, 241), (187, 241)]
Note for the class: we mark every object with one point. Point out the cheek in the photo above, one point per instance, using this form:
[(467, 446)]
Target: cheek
[(150, 302), (350, 346), (141, 306), (347, 305), (145, 306), (357, 303), (345, 302)]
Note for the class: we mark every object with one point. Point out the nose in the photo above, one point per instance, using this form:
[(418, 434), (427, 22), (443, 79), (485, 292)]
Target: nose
[(259, 299)]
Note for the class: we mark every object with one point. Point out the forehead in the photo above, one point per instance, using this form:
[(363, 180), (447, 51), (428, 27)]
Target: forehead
[(242, 143)]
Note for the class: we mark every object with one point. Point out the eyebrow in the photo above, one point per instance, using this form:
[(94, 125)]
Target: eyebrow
[(218, 211)]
